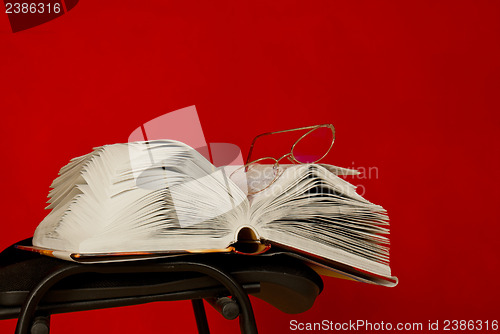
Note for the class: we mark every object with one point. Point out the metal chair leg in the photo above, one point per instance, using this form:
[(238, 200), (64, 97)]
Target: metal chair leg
[(201, 316)]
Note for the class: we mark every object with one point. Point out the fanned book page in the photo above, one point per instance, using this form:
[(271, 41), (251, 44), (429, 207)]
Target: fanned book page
[(164, 197), (147, 196)]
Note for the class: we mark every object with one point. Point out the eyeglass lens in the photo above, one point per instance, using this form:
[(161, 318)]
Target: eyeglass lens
[(314, 146)]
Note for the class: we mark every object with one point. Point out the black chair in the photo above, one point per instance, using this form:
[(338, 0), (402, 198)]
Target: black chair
[(32, 286)]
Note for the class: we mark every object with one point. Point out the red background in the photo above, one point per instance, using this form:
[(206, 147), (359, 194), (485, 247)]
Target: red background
[(411, 87)]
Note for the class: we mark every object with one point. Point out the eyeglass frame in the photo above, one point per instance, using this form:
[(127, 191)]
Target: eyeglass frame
[(289, 155), (293, 159)]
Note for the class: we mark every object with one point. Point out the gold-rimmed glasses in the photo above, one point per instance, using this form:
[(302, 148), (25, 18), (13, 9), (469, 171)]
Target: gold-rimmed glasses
[(311, 147)]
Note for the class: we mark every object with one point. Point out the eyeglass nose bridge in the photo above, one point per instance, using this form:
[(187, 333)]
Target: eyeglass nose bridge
[(289, 156)]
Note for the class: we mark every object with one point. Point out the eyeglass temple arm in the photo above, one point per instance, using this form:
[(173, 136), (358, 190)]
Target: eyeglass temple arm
[(253, 143)]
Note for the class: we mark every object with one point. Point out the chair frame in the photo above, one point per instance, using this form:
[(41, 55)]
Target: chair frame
[(32, 307)]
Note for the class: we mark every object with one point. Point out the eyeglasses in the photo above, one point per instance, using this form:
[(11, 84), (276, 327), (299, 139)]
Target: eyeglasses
[(311, 147)]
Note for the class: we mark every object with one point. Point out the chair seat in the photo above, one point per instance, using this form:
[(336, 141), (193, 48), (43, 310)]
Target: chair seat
[(278, 279)]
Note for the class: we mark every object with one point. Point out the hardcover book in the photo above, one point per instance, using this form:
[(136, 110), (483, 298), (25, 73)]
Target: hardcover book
[(163, 198)]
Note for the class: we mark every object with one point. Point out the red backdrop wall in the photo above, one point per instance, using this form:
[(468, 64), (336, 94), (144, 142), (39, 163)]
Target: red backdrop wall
[(411, 87)]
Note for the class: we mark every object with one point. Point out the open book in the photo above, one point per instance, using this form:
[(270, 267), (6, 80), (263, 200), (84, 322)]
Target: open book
[(144, 199)]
